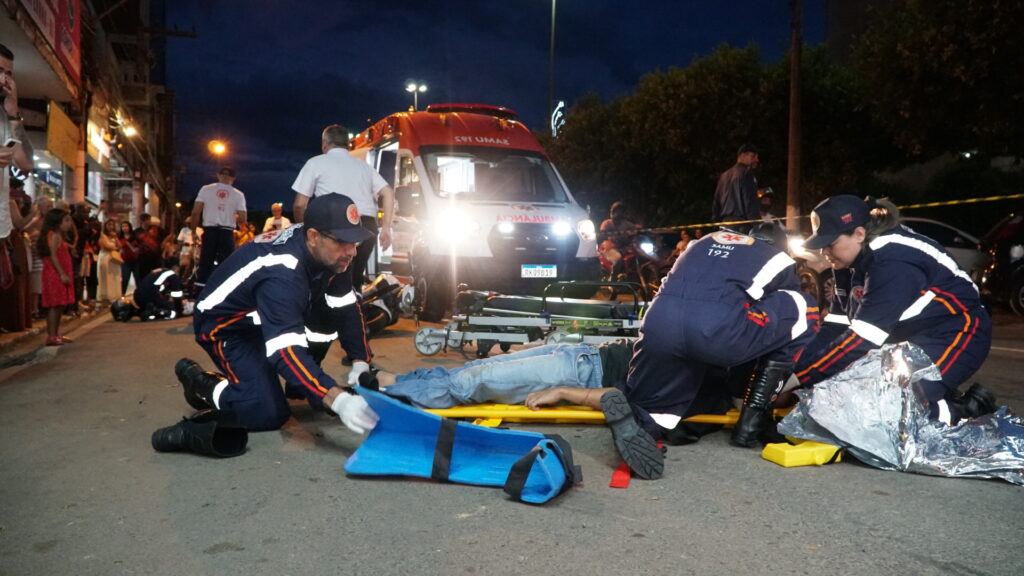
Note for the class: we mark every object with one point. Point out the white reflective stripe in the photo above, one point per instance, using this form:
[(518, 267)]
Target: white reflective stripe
[(944, 416), (943, 259), (177, 294), (800, 326), (320, 337), (918, 305), (284, 341), (164, 276), (255, 315), (770, 270), (338, 302), (838, 319), (869, 332), (242, 274), (666, 421)]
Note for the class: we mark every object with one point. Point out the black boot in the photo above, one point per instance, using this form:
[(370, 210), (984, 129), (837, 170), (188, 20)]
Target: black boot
[(210, 432), (977, 401), (198, 384), (756, 414)]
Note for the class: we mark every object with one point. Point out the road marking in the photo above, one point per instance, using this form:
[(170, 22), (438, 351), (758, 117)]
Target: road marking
[(1001, 349)]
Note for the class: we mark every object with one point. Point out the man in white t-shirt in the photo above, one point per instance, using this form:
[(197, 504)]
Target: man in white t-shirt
[(276, 220), (219, 209), (337, 172)]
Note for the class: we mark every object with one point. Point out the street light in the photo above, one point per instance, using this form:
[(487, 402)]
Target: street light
[(217, 148), (415, 89)]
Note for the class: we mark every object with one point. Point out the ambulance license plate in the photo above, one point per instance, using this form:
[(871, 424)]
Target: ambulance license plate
[(538, 271)]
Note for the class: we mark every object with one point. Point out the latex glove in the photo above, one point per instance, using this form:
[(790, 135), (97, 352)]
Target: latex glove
[(354, 412), (358, 367)]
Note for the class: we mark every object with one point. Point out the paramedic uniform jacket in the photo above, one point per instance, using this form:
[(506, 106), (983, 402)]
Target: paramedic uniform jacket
[(903, 286), (156, 285), (264, 291)]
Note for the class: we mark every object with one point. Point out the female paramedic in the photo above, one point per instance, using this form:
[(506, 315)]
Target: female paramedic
[(894, 285)]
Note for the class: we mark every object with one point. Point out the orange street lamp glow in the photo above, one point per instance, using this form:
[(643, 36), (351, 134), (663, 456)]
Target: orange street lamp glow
[(217, 148)]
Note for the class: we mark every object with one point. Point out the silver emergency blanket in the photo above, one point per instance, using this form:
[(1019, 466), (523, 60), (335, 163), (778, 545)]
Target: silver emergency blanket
[(875, 410)]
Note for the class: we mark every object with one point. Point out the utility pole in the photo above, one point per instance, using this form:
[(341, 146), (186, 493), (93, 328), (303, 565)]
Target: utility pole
[(551, 64), (793, 167)]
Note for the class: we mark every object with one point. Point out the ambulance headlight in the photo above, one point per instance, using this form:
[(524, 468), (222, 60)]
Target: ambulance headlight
[(586, 230), (561, 228), (506, 227), (454, 225)]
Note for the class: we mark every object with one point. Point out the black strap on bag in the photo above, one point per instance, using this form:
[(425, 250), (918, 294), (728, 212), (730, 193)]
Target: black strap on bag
[(443, 450), (516, 481)]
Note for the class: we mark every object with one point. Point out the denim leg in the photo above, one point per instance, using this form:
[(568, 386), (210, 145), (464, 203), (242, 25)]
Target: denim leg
[(506, 378), (509, 381)]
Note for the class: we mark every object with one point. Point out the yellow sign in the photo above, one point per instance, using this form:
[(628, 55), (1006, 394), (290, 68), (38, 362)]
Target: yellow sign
[(62, 135)]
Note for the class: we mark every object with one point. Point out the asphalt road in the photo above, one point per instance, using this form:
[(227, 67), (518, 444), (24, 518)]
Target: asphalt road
[(83, 493)]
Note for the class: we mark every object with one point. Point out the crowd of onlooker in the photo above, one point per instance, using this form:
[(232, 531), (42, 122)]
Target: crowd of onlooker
[(105, 258)]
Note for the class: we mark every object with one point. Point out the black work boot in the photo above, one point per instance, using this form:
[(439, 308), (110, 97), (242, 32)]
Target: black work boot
[(756, 414), (634, 444), (977, 401), (198, 383), (209, 432)]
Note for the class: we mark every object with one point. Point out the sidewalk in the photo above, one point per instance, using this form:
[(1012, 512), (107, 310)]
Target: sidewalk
[(23, 348)]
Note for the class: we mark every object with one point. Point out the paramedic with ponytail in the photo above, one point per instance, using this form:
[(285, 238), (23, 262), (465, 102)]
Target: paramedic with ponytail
[(894, 285), (250, 320)]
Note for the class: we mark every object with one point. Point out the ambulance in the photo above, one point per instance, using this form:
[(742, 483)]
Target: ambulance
[(478, 202)]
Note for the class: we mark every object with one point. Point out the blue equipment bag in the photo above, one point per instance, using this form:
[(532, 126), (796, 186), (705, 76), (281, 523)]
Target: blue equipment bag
[(407, 441)]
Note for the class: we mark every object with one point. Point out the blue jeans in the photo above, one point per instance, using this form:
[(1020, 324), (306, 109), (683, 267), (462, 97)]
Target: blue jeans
[(504, 379)]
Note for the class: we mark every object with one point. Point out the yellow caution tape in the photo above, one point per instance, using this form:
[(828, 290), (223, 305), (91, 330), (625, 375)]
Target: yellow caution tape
[(667, 229)]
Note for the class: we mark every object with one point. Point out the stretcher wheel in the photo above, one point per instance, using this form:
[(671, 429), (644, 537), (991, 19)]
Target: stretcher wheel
[(505, 346), (428, 340)]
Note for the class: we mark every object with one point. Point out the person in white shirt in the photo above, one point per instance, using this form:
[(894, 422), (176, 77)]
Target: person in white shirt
[(219, 208), (337, 172), (276, 220)]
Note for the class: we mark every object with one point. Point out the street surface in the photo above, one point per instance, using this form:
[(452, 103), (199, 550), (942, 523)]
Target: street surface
[(83, 493)]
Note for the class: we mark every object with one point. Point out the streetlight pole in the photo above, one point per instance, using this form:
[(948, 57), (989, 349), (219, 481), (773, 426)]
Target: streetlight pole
[(415, 88), (551, 63), (793, 167)]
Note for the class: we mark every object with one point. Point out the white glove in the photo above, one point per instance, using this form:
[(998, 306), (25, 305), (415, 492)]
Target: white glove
[(354, 412), (358, 367)]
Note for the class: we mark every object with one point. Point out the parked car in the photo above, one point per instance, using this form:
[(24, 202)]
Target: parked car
[(1003, 280), (963, 247)]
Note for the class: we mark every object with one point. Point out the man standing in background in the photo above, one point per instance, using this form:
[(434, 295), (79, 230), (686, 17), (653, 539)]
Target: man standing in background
[(219, 209), (736, 194), (337, 172)]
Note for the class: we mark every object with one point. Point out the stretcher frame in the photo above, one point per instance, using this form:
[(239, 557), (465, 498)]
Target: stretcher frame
[(487, 326), (495, 414)]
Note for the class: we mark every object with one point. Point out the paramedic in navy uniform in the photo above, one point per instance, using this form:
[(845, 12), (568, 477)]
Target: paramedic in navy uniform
[(894, 285), (219, 209), (249, 319), (336, 171)]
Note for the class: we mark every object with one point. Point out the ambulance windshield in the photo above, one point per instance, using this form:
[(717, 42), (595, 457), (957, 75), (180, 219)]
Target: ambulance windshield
[(492, 174)]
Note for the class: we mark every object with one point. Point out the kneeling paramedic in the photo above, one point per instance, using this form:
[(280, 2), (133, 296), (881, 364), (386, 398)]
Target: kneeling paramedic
[(894, 285), (730, 299), (250, 320), (159, 295)]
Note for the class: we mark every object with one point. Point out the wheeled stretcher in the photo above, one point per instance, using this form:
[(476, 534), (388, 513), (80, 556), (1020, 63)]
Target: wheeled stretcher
[(485, 319)]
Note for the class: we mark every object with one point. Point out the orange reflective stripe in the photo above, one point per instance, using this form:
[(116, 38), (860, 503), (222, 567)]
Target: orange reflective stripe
[(827, 356), (962, 348)]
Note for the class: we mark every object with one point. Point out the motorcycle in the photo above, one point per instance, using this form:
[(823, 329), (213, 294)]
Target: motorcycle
[(381, 303), (637, 263)]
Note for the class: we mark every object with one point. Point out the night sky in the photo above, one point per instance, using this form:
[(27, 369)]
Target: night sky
[(268, 75)]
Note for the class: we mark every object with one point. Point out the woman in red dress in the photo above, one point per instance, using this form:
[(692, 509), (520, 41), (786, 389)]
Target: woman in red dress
[(58, 285)]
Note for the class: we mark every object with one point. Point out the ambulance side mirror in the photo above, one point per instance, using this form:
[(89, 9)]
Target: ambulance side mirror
[(409, 199)]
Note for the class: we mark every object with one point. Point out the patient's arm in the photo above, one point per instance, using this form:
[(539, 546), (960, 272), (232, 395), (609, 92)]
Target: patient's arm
[(582, 396)]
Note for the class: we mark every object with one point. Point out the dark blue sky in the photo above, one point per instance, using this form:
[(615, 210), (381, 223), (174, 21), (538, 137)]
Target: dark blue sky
[(268, 75)]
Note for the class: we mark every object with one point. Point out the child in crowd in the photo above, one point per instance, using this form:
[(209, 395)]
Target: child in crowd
[(58, 285)]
